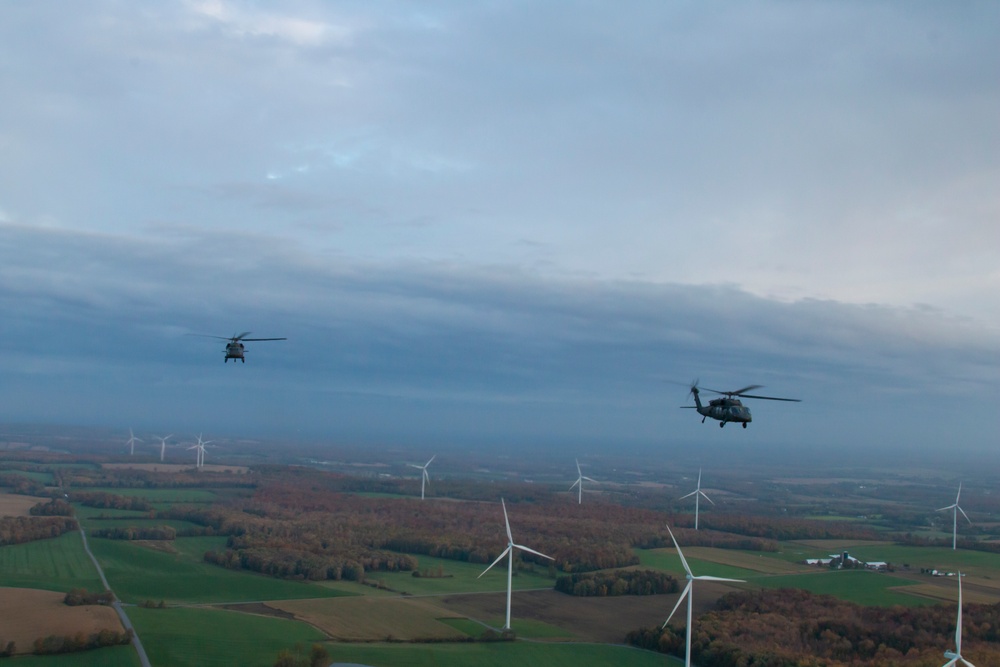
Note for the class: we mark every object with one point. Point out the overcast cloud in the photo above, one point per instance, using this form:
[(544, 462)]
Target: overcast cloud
[(481, 222)]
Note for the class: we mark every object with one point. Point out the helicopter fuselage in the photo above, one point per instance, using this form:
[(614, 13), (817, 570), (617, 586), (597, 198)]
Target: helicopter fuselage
[(234, 350), (726, 410)]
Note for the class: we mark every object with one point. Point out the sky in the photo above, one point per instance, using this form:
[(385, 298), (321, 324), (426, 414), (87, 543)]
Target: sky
[(503, 222)]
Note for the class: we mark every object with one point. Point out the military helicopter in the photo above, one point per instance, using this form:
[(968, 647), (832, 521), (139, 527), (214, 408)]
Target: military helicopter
[(729, 408), (234, 348)]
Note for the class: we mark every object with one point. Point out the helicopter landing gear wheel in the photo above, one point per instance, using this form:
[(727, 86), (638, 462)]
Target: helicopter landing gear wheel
[(721, 424), (243, 360), (744, 424)]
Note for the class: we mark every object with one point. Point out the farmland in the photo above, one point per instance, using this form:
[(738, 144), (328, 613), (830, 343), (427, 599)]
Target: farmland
[(27, 614), (217, 615)]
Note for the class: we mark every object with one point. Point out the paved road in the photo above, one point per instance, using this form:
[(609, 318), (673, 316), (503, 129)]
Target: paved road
[(136, 642)]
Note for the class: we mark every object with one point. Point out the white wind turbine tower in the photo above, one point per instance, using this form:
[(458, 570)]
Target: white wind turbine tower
[(956, 656), (696, 493), (163, 444), (954, 524), (424, 478), (131, 441), (579, 482), (200, 446), (509, 551), (688, 592)]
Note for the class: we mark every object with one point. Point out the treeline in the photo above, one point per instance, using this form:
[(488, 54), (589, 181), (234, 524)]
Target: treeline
[(21, 529), (618, 582), (289, 563), (104, 500), (54, 507), (22, 485), (136, 533), (81, 596), (912, 540), (54, 644), (134, 478), (782, 528), (778, 628)]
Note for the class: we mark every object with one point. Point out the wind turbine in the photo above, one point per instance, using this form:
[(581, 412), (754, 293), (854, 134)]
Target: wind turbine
[(131, 441), (688, 592), (200, 446), (163, 444), (510, 562), (954, 524), (579, 482), (425, 478), (696, 493), (956, 656)]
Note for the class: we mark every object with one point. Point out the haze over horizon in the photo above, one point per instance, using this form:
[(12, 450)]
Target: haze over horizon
[(508, 222)]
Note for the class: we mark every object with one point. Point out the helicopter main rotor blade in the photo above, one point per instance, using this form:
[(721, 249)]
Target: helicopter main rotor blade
[(240, 336), (751, 387), (257, 339), (209, 336), (772, 398)]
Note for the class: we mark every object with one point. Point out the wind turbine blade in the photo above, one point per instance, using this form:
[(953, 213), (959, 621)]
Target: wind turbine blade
[(429, 462), (574, 484), (964, 514), (706, 497), (590, 480), (531, 551), (689, 495), (687, 589), (499, 558), (427, 478), (706, 577), (414, 465), (578, 471), (680, 553), (510, 538), (949, 507)]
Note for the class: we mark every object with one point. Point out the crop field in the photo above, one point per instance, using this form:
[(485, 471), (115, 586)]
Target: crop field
[(942, 558), (374, 618), (595, 619), (28, 614), (217, 638), (462, 577), (12, 504), (57, 564), (137, 573), (499, 654), (858, 586)]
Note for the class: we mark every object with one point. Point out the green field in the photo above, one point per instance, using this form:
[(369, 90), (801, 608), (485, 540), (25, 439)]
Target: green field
[(113, 656), (667, 560), (500, 654), (859, 586), (210, 637), (137, 573), (464, 578), (57, 564)]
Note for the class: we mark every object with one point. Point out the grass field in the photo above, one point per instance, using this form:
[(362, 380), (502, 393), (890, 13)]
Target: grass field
[(763, 563), (500, 654), (113, 656), (213, 637), (57, 564), (375, 618), (464, 578), (859, 586), (668, 561), (137, 573)]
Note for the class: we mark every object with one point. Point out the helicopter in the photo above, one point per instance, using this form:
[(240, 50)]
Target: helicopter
[(729, 408), (234, 348)]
